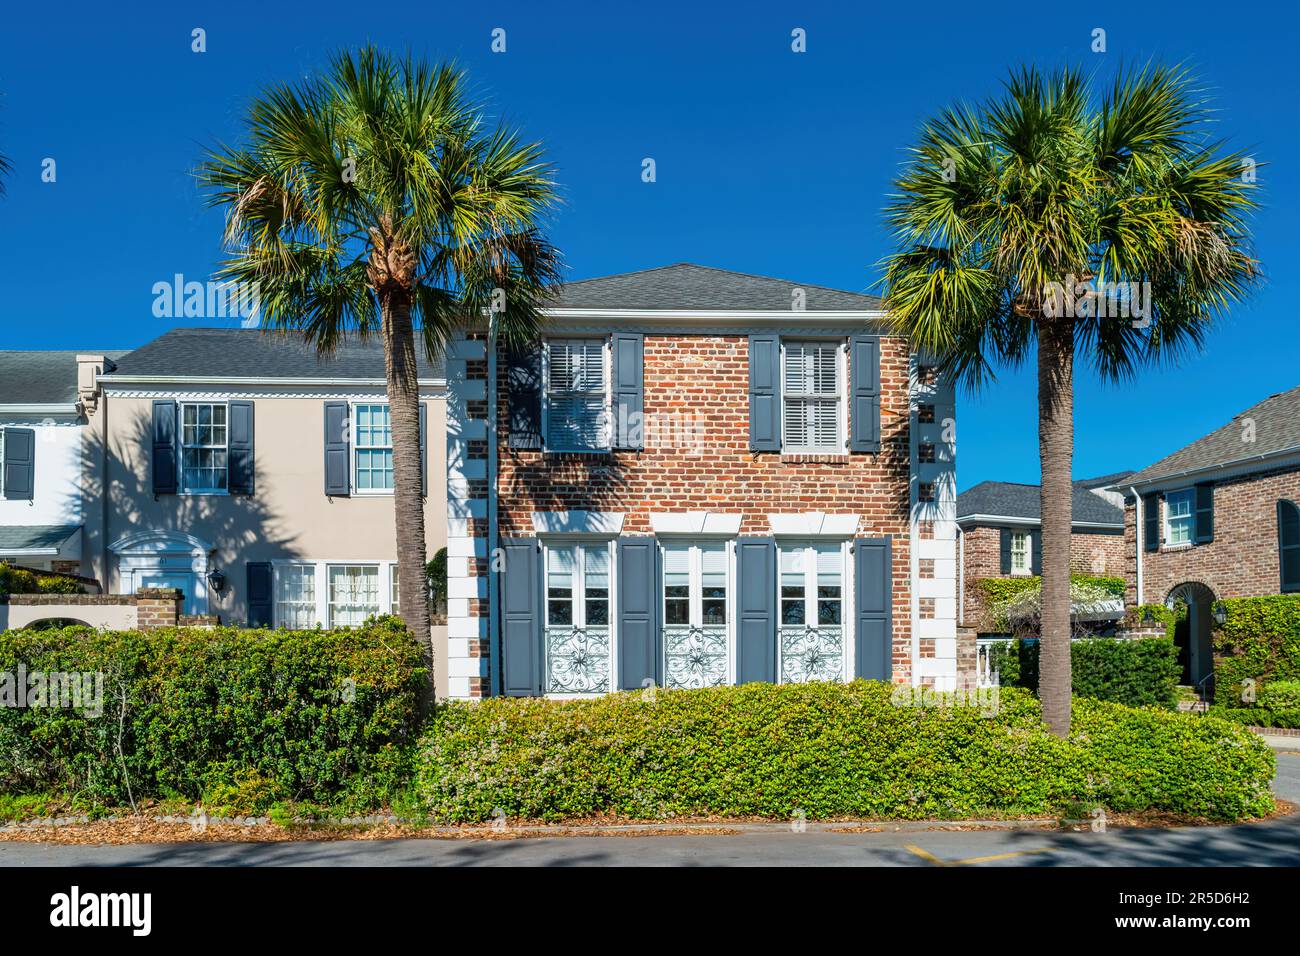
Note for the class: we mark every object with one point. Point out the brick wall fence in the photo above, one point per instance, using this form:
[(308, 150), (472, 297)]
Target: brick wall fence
[(147, 609)]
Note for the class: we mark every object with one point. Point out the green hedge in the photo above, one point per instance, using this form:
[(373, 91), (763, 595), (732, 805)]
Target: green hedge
[(1260, 641), (1276, 704), (21, 581), (826, 751), (307, 715), (998, 591), (1137, 673)]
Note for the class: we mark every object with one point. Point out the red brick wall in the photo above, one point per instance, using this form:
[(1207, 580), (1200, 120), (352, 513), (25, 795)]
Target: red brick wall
[(1099, 555), (708, 376), (1241, 561)]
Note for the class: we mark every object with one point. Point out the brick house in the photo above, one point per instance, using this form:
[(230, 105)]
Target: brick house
[(698, 477), (999, 536), (1217, 519)]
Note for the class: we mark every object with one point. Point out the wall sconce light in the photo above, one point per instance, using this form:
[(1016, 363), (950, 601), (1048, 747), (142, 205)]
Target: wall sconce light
[(1148, 617), (1220, 613), (217, 579)]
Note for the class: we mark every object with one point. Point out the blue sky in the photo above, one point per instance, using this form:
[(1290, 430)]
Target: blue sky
[(768, 161)]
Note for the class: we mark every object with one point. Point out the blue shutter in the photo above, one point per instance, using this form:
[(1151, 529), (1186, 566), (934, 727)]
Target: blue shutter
[(1004, 550), (1204, 513), (756, 610), (1288, 545), (163, 461), (764, 393), (260, 591), (241, 477), (521, 616), (1150, 522), (524, 398), (864, 412), (20, 464), (629, 390), (424, 453), (1036, 552), (873, 596), (638, 624), (338, 451)]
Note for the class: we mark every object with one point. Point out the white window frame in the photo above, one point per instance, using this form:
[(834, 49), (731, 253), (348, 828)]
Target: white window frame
[(606, 394), (1028, 568), (695, 548), (840, 445), (387, 579), (355, 447), (847, 630), (1190, 517), (2, 459), (181, 487), (579, 600), (278, 573)]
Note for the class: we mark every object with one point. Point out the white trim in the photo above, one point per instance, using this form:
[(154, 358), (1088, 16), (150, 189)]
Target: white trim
[(843, 392), (813, 524), (559, 523), (848, 631), (353, 448), (1168, 543), (980, 519), (1238, 467), (695, 523), (738, 316), (252, 381), (387, 570), (1028, 570), (694, 548), (607, 376), (19, 408)]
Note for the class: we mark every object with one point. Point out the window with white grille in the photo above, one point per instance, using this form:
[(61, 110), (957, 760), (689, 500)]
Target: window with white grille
[(204, 446), (812, 395), (295, 596), (577, 395)]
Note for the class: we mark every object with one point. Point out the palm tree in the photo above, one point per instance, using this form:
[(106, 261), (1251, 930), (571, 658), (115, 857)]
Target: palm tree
[(1006, 212), (374, 200)]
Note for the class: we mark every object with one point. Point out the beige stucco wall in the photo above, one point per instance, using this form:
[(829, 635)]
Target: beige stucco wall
[(113, 617)]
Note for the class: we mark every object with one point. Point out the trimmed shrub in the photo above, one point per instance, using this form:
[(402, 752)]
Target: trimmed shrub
[(299, 714), (1260, 641), (826, 751), (21, 581), (1276, 704), (1137, 673)]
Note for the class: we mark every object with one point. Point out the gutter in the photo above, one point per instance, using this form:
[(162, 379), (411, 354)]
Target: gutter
[(1137, 537), (736, 315), (1030, 522), (495, 672), (39, 409), (1209, 469), (242, 380)]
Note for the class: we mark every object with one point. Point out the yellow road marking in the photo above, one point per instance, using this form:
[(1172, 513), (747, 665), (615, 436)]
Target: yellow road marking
[(931, 858)]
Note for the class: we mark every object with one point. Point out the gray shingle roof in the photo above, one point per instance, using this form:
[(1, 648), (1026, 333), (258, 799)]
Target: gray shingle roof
[(34, 537), (43, 378), (1277, 428), (255, 353), (1021, 501), (689, 287)]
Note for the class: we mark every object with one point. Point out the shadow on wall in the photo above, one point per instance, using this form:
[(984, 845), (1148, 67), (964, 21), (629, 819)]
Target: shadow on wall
[(233, 528)]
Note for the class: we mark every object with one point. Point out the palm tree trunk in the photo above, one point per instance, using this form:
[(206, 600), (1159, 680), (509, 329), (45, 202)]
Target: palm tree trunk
[(408, 494), (1056, 454)]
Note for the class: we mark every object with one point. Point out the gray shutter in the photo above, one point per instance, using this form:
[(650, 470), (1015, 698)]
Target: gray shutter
[(756, 610), (629, 389), (638, 624), (163, 461), (864, 413), (1005, 550), (521, 616), (1036, 552), (764, 393), (424, 452), (20, 464), (873, 596), (260, 590), (1288, 545), (241, 460), (338, 451), (1150, 522), (1204, 513), (524, 398)]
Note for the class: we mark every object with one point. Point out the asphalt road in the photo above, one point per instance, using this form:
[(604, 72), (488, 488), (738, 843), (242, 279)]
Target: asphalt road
[(1274, 843)]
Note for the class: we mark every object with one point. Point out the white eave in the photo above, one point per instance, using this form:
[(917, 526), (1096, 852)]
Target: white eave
[(983, 519), (736, 317), (39, 409), (247, 382)]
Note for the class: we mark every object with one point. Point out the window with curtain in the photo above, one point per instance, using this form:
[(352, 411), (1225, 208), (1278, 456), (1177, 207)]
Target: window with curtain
[(295, 596), (353, 594)]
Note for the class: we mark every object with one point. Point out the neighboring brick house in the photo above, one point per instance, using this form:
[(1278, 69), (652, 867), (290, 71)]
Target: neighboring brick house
[(999, 536), (698, 477), (1218, 519)]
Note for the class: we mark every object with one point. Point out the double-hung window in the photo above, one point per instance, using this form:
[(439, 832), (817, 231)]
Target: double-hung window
[(205, 444), (812, 396), (1179, 514), (353, 594), (373, 448), (295, 596), (1021, 560), (577, 618), (696, 584), (577, 395), (812, 612)]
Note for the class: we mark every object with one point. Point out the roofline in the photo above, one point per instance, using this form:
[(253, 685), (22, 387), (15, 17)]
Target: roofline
[(45, 408), (1267, 458), (30, 552), (716, 315), (1018, 519), (255, 380)]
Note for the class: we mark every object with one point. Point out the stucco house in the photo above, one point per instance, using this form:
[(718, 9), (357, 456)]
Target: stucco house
[(42, 445), (1217, 519), (698, 477)]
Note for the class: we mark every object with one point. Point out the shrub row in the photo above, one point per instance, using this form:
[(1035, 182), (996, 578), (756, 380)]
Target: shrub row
[(999, 591), (1274, 704), (21, 581), (1259, 641), (825, 751), (308, 715), (1137, 673)]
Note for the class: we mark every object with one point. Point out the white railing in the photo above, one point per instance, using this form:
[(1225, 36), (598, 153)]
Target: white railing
[(986, 674)]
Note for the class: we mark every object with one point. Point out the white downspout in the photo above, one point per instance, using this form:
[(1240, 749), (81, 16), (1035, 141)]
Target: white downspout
[(495, 670), (1138, 519)]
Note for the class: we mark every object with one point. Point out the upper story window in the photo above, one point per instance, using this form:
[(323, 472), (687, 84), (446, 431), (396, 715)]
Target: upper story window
[(1180, 507), (1288, 545), (204, 447), (1021, 557), (577, 395), (373, 447), (812, 396)]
